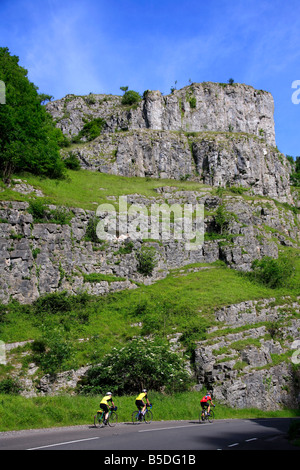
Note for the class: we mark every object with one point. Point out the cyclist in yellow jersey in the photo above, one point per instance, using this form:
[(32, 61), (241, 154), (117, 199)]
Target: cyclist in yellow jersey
[(104, 404), (139, 401)]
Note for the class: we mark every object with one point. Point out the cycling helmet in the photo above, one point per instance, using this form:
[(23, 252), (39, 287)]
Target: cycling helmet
[(109, 393), (144, 390)]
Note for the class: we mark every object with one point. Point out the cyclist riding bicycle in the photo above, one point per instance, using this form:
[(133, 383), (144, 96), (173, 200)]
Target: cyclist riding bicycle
[(139, 401), (206, 402), (104, 405)]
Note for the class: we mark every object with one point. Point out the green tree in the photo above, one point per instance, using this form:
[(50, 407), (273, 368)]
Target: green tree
[(222, 219), (131, 97), (28, 137), (140, 363)]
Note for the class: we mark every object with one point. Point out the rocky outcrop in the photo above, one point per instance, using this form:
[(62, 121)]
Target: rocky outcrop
[(141, 153), (247, 361), (217, 134), (196, 108), (212, 107), (219, 160), (244, 161)]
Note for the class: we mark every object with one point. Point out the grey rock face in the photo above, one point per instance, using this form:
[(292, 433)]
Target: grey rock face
[(40, 258), (238, 367), (222, 160), (213, 107), (221, 135), (243, 161), (140, 153), (195, 108)]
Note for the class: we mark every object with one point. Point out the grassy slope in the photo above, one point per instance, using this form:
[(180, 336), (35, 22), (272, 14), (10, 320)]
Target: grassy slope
[(86, 189), (191, 296), (181, 300)]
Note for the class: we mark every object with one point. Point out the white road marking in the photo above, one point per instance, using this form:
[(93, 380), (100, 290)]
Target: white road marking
[(235, 444), (252, 439), (63, 443), (170, 427)]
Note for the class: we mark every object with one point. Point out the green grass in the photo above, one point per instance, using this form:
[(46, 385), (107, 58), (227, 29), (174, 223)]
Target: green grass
[(173, 300), (87, 189), (19, 413), (96, 277), (183, 302)]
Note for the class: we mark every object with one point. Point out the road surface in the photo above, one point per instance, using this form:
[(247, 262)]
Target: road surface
[(184, 437)]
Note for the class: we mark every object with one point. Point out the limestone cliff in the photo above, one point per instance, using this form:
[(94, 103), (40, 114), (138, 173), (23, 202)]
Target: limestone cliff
[(217, 134), (222, 135), (195, 108), (216, 159)]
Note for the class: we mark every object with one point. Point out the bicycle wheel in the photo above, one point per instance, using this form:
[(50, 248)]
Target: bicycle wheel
[(148, 416), (113, 419), (98, 419), (135, 417), (211, 416)]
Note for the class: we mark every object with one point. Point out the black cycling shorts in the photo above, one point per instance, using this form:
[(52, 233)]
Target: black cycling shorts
[(139, 403), (205, 404), (104, 407)]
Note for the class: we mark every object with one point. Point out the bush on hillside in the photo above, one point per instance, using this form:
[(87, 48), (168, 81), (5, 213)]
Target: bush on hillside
[(142, 363), (53, 352), (41, 213), (91, 130), (273, 272), (222, 219), (72, 162), (10, 386), (91, 230), (131, 97), (146, 260)]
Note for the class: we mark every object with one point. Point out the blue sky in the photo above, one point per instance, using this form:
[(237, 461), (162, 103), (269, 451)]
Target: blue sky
[(83, 46)]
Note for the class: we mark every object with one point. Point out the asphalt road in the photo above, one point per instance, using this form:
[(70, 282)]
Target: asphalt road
[(184, 437)]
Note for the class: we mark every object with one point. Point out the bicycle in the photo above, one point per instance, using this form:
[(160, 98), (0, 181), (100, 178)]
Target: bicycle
[(111, 420), (137, 416), (205, 416)]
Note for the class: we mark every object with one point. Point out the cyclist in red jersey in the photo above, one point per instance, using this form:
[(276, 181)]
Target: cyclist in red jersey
[(206, 402)]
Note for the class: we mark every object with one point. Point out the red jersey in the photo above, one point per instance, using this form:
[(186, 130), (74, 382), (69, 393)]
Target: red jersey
[(206, 398)]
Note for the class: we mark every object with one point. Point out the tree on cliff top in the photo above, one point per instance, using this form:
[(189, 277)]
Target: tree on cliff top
[(28, 137)]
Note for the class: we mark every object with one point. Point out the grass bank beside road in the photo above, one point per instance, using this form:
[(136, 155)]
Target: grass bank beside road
[(20, 413)]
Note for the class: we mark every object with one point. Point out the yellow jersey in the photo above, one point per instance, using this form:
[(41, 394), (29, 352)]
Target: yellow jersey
[(106, 399), (141, 396)]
